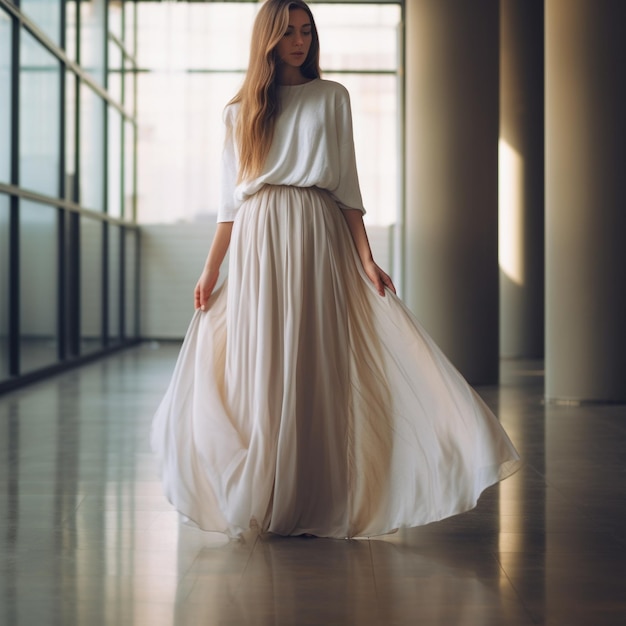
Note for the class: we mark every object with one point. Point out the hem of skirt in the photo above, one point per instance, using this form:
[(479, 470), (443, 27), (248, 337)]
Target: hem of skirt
[(235, 531)]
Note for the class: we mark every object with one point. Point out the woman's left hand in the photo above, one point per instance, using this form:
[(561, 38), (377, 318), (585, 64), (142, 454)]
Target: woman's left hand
[(379, 279)]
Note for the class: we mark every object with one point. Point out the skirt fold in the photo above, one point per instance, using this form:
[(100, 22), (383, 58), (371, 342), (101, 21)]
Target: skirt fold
[(304, 402)]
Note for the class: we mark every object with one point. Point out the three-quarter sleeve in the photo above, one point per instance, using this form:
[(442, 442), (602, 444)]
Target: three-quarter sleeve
[(348, 191), (227, 208)]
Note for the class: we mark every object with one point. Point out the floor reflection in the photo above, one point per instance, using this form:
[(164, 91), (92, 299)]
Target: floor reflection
[(273, 580), (86, 536)]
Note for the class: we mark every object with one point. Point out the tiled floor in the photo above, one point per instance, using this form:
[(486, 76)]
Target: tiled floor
[(87, 538)]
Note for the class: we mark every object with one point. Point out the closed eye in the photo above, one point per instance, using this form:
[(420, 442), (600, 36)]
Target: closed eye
[(305, 33)]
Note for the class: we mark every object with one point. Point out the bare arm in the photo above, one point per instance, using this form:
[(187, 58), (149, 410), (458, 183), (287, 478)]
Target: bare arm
[(208, 279), (380, 280)]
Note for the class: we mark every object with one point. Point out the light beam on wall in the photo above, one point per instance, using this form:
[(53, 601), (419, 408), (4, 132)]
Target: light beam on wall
[(510, 217)]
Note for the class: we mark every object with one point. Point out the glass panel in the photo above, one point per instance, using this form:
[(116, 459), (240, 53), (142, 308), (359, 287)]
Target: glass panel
[(47, 16), (92, 38), (363, 37), (70, 137), (71, 30), (114, 283), (115, 163), (129, 171), (39, 117), (115, 18), (114, 86), (90, 285), (91, 149), (130, 276), (38, 285), (179, 159), (4, 286), (6, 42), (130, 13), (199, 35)]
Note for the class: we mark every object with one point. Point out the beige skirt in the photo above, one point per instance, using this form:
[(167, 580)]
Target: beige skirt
[(304, 402)]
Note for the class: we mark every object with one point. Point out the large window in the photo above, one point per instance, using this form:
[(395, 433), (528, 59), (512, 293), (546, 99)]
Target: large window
[(192, 57), (71, 126), (114, 193), (114, 310), (92, 37), (68, 238), (91, 305), (39, 275), (39, 115), (91, 149), (131, 286), (46, 15)]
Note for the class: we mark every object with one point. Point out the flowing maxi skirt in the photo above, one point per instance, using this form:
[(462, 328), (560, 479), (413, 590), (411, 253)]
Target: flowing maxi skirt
[(304, 402)]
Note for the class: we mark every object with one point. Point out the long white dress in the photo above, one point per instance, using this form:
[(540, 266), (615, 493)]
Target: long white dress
[(302, 401)]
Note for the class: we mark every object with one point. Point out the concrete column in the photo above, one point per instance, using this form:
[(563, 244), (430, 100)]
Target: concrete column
[(452, 93), (585, 200), (521, 203)]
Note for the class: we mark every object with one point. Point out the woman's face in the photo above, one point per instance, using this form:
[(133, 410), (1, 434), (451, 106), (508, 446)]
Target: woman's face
[(293, 48)]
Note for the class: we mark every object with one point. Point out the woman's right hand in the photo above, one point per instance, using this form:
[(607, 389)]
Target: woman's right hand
[(208, 279), (204, 288)]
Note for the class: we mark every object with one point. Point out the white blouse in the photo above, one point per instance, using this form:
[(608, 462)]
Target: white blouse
[(312, 147)]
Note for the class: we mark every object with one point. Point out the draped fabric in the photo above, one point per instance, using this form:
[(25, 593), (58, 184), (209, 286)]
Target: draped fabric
[(312, 146), (304, 402)]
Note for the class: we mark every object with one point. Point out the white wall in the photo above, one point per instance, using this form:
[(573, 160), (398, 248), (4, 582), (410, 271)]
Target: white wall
[(172, 256)]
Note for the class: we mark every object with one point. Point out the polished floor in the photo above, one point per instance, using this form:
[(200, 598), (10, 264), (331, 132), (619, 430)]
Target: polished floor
[(87, 538)]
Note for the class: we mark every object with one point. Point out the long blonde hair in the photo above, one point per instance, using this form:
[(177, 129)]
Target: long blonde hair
[(258, 96)]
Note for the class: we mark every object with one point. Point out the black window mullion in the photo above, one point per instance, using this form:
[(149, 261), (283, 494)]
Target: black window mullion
[(105, 39), (14, 215), (123, 32), (78, 27), (137, 235), (122, 268), (14, 287), (123, 212), (133, 217), (73, 284), (105, 283), (73, 242), (63, 25), (61, 287), (105, 186), (61, 265)]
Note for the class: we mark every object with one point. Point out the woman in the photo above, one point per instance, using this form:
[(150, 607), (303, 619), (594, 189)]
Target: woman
[(306, 398)]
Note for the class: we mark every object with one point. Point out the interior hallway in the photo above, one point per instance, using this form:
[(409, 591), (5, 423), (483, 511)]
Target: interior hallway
[(87, 538)]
